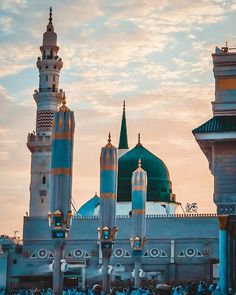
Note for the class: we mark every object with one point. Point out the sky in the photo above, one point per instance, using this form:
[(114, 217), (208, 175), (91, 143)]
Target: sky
[(155, 54)]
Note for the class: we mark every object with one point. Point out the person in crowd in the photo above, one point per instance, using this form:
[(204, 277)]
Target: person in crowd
[(217, 291)]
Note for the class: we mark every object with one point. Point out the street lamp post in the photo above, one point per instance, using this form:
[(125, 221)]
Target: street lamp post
[(107, 238), (60, 229)]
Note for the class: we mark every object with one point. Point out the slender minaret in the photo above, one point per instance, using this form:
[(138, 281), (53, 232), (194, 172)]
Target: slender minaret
[(123, 142), (138, 238), (48, 98), (62, 159), (108, 195)]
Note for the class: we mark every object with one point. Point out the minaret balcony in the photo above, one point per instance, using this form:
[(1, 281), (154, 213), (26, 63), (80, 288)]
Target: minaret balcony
[(48, 95), (50, 63), (47, 89), (39, 142)]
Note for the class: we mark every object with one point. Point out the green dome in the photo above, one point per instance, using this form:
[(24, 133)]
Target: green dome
[(159, 188)]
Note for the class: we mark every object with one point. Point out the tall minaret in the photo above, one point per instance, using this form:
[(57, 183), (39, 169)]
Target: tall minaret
[(48, 98), (123, 142), (217, 140)]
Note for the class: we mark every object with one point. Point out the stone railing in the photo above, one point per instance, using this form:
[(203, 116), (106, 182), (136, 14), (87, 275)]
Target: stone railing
[(197, 215), (86, 217)]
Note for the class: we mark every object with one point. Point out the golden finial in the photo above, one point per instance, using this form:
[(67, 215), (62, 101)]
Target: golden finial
[(109, 137), (139, 163), (139, 139), (50, 15), (225, 48), (63, 108)]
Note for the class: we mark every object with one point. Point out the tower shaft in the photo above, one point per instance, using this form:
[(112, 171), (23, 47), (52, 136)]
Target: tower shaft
[(139, 196), (62, 160), (108, 195), (217, 137), (108, 185), (48, 97)]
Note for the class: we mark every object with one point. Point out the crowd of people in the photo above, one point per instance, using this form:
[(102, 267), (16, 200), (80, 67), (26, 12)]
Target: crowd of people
[(191, 288)]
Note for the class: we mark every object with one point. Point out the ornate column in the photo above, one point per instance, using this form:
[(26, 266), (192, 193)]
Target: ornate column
[(223, 252), (234, 263), (138, 239), (232, 252), (108, 195), (230, 257), (62, 162), (83, 274)]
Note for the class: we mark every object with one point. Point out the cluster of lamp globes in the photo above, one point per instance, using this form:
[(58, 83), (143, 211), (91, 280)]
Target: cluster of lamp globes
[(105, 234), (59, 224), (137, 243)]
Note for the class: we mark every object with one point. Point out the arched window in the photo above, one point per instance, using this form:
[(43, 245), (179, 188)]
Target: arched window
[(44, 179), (43, 193)]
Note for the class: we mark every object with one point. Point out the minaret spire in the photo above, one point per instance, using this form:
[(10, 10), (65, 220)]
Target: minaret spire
[(50, 15), (123, 142), (139, 139)]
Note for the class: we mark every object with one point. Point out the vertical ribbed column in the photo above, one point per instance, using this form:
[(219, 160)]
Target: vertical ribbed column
[(108, 195), (138, 239), (234, 264), (223, 252), (230, 260), (108, 185), (62, 160), (139, 195)]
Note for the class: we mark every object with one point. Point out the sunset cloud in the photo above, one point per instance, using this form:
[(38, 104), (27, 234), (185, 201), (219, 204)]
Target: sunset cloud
[(155, 54)]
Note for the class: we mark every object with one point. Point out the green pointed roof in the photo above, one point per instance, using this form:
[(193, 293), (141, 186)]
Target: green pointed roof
[(159, 187), (123, 143)]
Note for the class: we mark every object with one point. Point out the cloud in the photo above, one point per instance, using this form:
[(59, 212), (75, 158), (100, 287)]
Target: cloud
[(169, 16), (202, 50), (13, 6), (6, 24), (15, 158), (156, 55), (14, 59)]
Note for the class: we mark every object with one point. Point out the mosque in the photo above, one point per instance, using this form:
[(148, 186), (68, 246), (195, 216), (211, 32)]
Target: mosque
[(179, 246)]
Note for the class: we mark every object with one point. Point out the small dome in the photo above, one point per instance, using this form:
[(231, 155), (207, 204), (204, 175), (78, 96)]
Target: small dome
[(88, 208), (159, 188), (50, 37)]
